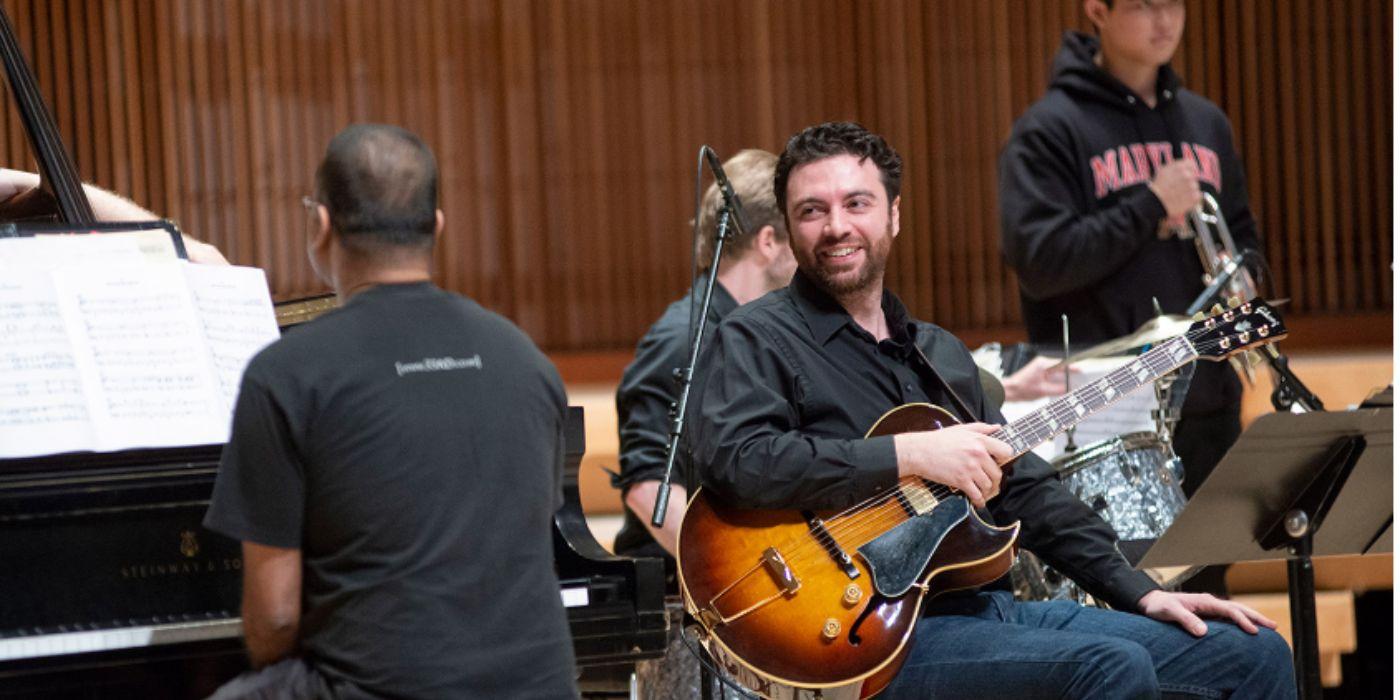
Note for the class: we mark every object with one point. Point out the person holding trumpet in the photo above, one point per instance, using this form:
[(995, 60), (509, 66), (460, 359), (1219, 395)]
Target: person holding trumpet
[(1095, 185)]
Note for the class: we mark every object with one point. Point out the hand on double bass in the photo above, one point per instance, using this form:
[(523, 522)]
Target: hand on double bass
[(15, 185)]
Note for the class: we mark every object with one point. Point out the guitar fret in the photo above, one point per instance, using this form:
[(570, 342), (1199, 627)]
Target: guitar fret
[(1063, 413)]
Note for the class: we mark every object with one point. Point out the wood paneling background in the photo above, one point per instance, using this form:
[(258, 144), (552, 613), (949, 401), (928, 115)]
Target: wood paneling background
[(567, 129)]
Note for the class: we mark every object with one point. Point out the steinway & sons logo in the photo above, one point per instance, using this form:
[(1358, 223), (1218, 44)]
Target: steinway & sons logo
[(189, 549)]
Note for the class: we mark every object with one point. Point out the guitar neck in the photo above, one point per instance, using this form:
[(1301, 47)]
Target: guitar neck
[(1067, 411)]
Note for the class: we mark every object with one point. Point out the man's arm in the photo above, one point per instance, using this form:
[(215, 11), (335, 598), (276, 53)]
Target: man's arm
[(271, 602), (742, 432), (1054, 247), (108, 206), (644, 399), (641, 498)]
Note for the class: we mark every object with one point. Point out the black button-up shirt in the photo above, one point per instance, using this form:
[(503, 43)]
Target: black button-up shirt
[(790, 383), (644, 399)]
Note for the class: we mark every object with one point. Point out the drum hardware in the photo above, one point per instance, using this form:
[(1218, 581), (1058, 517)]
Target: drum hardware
[(1064, 334), (1154, 331)]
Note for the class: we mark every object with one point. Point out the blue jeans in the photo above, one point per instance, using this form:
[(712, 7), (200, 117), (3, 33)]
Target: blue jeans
[(990, 646)]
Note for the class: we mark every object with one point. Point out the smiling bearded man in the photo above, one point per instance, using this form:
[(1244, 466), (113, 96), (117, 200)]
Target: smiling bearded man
[(790, 384)]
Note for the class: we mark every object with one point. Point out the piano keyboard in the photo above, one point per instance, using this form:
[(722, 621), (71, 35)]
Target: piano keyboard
[(63, 643)]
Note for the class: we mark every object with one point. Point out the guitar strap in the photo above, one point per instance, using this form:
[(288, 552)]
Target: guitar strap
[(967, 416)]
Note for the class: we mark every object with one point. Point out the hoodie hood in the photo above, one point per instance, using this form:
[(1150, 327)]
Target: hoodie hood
[(1075, 72)]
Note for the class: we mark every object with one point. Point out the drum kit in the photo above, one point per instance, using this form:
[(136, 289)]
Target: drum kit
[(1132, 480)]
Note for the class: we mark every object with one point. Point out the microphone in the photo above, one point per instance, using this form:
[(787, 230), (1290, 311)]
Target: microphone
[(1216, 284), (736, 207)]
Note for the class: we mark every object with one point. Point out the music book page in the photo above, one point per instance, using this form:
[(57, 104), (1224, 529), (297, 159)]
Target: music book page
[(106, 357)]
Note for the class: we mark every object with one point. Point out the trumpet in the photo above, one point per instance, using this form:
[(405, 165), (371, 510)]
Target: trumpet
[(1218, 254), (1216, 248)]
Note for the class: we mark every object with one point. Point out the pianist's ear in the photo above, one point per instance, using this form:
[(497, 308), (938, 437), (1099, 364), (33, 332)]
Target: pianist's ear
[(318, 246), (437, 231)]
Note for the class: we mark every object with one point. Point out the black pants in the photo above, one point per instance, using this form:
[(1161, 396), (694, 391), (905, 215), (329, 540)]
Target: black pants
[(288, 679), (1201, 441)]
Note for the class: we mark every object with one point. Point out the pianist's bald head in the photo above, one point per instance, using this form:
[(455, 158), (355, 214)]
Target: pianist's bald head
[(379, 184)]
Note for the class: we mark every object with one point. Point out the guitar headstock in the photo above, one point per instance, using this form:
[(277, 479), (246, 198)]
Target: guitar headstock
[(1232, 331)]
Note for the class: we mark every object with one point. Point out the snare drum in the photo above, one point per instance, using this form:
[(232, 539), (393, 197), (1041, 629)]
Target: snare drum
[(1129, 481)]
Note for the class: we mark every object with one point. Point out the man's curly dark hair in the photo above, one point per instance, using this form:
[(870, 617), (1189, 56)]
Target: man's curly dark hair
[(833, 139)]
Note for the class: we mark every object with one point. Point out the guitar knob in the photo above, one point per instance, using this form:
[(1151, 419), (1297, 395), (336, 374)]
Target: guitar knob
[(852, 596), (831, 629)]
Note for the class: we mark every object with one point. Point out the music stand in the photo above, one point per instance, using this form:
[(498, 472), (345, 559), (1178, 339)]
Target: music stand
[(1293, 486)]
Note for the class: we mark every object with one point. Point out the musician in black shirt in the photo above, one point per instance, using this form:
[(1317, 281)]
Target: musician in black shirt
[(754, 263), (394, 467), (791, 382)]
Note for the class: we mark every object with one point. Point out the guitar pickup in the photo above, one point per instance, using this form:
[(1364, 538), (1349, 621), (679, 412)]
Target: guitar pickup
[(828, 543)]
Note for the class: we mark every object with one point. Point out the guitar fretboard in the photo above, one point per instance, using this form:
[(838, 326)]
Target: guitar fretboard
[(1065, 412)]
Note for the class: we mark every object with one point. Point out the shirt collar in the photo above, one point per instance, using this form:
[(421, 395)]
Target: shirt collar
[(824, 316), (720, 304)]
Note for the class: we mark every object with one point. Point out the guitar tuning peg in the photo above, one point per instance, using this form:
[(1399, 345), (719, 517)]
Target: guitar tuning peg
[(1217, 309), (1235, 302), (1199, 316), (1254, 358)]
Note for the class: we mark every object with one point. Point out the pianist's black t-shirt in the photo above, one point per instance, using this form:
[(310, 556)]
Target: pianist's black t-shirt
[(410, 444)]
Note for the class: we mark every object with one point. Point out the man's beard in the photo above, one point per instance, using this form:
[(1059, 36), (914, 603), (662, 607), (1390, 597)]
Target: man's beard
[(870, 274)]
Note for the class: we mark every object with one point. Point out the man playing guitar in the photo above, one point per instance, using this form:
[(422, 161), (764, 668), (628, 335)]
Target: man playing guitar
[(791, 382)]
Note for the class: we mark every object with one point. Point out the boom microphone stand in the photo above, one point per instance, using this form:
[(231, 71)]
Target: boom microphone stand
[(730, 209)]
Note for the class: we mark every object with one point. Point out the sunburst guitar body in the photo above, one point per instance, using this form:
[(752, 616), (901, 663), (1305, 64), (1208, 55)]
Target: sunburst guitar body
[(823, 604)]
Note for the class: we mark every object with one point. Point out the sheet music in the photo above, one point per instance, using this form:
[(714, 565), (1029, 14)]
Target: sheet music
[(237, 319), (1130, 414), (42, 406), (137, 340), (115, 356)]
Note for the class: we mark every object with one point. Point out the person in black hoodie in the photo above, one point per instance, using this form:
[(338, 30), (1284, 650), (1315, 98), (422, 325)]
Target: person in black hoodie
[(1094, 182)]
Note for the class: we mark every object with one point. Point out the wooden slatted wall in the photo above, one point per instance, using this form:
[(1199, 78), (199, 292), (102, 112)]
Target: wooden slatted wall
[(567, 129)]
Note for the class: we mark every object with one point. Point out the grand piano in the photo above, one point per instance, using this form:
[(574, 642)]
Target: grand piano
[(110, 587)]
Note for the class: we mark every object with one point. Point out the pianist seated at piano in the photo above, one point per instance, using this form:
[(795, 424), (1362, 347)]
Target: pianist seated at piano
[(394, 466), (107, 206)]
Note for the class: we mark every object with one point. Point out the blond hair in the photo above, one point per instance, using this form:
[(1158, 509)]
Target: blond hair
[(750, 172)]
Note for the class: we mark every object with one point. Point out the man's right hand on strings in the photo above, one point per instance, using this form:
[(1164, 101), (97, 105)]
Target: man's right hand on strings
[(964, 457)]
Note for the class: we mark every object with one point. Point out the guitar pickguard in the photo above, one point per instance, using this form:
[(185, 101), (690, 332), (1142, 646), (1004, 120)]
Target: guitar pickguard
[(898, 557)]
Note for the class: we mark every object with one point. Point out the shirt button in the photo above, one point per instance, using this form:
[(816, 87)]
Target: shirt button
[(908, 387)]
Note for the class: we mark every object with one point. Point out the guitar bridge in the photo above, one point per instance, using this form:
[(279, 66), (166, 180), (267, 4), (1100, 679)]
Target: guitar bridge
[(779, 570)]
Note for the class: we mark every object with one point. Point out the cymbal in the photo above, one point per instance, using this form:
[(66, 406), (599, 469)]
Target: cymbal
[(1154, 331)]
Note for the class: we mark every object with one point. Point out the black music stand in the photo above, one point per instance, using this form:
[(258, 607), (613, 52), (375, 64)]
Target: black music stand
[(1294, 486)]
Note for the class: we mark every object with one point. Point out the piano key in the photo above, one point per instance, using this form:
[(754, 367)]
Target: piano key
[(120, 638)]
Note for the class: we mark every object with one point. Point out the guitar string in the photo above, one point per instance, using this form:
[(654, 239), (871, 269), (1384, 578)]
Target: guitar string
[(889, 512), (866, 520), (883, 510)]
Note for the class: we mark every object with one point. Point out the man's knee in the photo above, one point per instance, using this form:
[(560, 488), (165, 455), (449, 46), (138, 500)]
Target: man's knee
[(1116, 668), (1266, 650)]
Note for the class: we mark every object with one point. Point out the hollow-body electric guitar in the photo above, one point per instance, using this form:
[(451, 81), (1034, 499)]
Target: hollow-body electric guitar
[(797, 603)]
